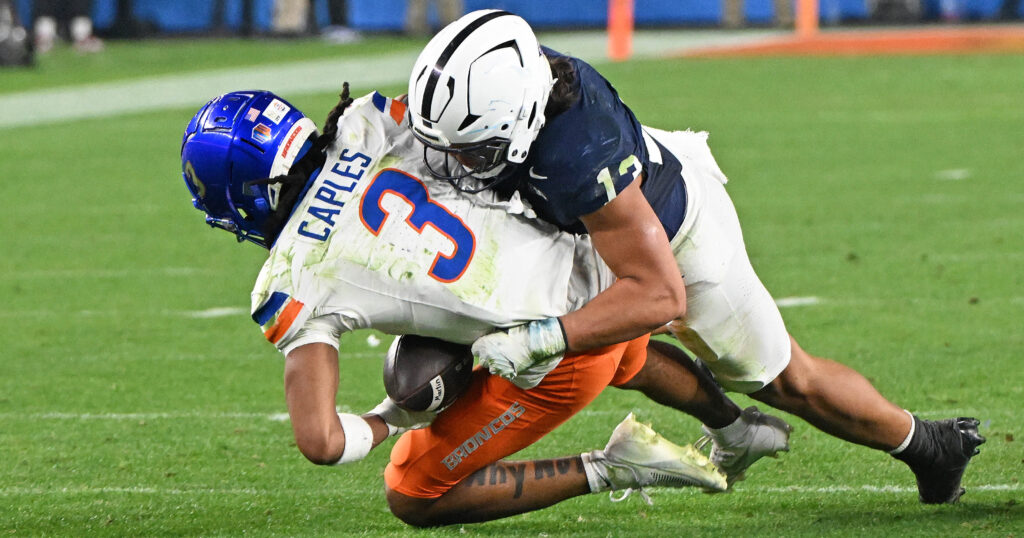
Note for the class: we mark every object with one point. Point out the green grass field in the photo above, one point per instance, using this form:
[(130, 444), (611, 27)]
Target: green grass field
[(891, 189)]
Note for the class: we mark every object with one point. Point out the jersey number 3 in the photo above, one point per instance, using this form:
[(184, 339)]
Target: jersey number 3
[(425, 212)]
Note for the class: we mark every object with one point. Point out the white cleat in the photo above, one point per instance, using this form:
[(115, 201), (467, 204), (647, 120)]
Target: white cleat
[(753, 436), (636, 456)]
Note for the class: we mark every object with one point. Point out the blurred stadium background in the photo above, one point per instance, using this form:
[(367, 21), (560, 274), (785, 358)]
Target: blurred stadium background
[(875, 162), (191, 16), (147, 18)]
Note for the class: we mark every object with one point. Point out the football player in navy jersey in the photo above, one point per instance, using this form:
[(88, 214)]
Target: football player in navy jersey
[(549, 133)]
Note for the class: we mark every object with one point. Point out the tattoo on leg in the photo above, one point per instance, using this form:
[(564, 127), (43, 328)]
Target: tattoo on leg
[(543, 467), (498, 473), (547, 468), (478, 478), (519, 475)]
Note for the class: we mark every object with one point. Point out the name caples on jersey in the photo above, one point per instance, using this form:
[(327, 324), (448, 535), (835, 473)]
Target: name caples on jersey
[(343, 177), (406, 258)]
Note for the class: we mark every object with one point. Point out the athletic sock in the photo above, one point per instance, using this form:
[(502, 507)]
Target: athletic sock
[(731, 432), (910, 435), (596, 478), (921, 449)]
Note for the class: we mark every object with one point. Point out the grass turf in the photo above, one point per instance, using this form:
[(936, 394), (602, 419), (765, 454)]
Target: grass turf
[(124, 413), (131, 59)]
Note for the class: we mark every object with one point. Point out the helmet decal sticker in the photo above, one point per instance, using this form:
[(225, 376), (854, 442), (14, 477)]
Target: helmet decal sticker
[(276, 111), (261, 133)]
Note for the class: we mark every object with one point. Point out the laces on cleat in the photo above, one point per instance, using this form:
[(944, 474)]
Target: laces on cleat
[(625, 493)]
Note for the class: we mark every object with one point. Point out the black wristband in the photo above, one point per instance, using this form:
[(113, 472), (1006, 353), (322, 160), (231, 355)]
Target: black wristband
[(565, 338)]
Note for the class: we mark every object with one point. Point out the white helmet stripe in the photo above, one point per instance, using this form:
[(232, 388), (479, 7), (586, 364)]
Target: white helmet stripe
[(290, 145), (446, 54)]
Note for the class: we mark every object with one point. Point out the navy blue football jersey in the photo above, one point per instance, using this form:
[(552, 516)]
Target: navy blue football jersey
[(586, 155)]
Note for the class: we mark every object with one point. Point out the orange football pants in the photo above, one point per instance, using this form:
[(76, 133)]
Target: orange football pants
[(495, 418)]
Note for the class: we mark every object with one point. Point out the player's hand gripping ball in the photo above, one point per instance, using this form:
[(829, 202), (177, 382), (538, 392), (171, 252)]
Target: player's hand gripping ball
[(426, 374)]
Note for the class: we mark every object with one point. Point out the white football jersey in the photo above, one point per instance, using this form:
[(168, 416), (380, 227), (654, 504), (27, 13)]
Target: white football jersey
[(374, 244)]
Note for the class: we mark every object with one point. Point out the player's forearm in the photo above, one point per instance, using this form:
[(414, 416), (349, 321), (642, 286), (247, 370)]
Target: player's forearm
[(626, 310), (347, 438), (648, 292), (323, 435)]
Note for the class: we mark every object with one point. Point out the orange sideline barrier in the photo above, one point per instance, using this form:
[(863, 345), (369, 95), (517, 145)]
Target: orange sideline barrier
[(620, 29)]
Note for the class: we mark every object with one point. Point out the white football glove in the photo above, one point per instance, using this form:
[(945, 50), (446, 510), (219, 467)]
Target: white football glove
[(399, 420), (524, 354)]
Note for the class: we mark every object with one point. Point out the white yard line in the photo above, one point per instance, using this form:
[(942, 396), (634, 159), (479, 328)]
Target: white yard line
[(146, 490), (880, 489), (189, 90), (221, 312), (55, 415), (209, 313), (137, 416), (953, 174), (231, 311), (785, 302), (53, 274), (277, 417), (845, 490), (85, 490)]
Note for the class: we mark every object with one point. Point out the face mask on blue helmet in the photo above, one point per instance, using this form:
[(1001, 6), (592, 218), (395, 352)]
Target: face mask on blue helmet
[(234, 140)]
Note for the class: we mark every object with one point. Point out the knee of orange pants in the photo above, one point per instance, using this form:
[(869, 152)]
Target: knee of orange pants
[(495, 418)]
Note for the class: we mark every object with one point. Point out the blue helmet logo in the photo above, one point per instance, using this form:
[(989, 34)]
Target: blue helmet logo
[(233, 140)]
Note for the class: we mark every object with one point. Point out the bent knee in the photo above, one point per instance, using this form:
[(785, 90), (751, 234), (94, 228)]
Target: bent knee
[(743, 375), (412, 511), (741, 361), (781, 393), (796, 383), (742, 386)]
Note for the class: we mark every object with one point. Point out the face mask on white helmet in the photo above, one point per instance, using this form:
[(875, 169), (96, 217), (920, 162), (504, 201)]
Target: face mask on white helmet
[(476, 98)]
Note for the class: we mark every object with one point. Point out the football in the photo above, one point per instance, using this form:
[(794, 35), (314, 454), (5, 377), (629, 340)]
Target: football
[(426, 374)]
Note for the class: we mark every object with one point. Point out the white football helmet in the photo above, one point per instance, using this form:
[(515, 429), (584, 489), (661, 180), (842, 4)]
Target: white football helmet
[(477, 93)]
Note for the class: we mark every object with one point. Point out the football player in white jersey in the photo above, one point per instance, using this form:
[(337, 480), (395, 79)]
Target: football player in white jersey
[(358, 240)]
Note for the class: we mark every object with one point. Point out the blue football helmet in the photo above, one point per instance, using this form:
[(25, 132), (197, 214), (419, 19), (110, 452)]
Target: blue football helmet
[(234, 140)]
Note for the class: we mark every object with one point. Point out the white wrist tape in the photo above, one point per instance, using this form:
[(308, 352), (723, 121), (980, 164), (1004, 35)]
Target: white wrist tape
[(545, 338), (358, 438)]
